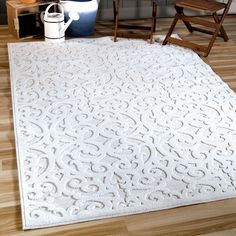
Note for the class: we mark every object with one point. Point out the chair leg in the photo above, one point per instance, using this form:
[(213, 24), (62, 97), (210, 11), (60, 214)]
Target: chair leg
[(174, 22), (222, 30), (153, 26), (219, 29), (187, 24), (213, 39), (116, 4), (154, 15)]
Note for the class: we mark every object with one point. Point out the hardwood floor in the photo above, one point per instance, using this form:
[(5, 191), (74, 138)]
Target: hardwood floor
[(209, 219)]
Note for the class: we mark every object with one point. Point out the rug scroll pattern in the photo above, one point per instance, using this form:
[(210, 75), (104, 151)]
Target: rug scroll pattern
[(106, 129)]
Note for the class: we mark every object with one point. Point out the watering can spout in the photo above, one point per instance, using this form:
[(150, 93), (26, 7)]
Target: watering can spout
[(72, 16)]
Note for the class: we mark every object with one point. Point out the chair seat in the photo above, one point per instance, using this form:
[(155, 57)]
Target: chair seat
[(211, 6)]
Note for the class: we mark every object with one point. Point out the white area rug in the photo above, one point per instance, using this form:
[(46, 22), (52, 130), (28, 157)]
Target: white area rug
[(106, 129)]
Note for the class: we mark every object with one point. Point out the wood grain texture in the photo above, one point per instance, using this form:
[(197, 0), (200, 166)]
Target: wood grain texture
[(209, 219)]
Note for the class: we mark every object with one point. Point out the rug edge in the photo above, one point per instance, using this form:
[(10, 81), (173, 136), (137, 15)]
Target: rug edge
[(9, 47), (126, 214)]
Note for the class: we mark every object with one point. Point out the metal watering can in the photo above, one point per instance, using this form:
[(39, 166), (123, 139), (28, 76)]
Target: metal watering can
[(54, 25)]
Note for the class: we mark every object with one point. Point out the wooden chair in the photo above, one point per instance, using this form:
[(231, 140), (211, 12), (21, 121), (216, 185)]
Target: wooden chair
[(151, 29), (209, 6)]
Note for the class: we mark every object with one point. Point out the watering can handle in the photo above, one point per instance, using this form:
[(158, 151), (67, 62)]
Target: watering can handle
[(42, 16), (53, 4)]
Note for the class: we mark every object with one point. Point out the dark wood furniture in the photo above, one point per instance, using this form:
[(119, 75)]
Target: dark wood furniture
[(216, 25), (24, 19), (148, 29)]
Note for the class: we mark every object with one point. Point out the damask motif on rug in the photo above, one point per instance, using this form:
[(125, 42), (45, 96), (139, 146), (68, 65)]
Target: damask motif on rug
[(106, 129)]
